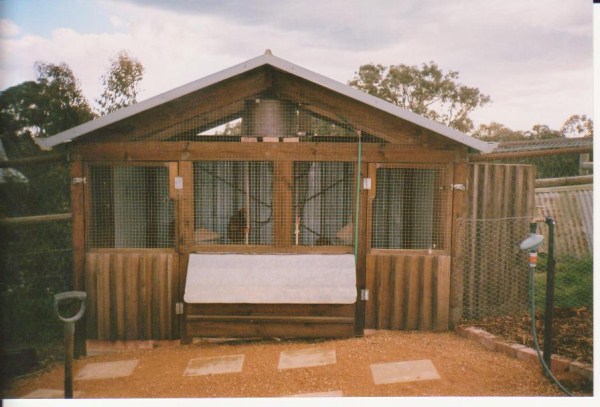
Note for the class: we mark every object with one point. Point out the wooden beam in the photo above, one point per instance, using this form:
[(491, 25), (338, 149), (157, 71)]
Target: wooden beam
[(459, 210), (187, 107), (361, 260), (185, 206), (326, 113), (283, 204), (585, 165), (200, 123), (342, 108), (271, 319), (564, 181), (28, 161), (310, 151), (29, 220)]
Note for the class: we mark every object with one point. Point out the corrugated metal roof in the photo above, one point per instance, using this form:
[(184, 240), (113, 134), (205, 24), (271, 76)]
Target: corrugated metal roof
[(548, 144), (283, 65), (572, 209)]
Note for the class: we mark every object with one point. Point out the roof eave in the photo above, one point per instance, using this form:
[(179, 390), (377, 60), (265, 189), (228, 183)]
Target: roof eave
[(131, 110), (383, 105)]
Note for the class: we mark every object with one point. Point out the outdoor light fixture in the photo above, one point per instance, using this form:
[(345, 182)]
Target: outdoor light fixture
[(532, 242)]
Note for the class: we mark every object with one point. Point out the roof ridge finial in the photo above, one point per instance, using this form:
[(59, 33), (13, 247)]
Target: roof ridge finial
[(268, 52)]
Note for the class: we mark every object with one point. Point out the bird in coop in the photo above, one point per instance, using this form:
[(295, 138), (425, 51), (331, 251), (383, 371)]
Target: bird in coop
[(323, 241), (236, 229)]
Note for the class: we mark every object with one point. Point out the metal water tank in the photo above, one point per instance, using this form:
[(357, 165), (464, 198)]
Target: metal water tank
[(270, 118)]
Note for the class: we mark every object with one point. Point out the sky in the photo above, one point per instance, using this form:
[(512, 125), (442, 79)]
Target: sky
[(534, 58)]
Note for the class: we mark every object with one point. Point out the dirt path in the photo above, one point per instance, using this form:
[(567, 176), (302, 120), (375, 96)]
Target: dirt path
[(465, 368)]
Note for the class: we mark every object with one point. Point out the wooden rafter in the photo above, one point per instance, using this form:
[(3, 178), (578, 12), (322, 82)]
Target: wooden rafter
[(343, 109), (186, 108), (199, 123)]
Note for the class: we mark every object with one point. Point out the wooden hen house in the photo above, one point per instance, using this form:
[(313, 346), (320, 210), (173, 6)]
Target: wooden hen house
[(264, 201)]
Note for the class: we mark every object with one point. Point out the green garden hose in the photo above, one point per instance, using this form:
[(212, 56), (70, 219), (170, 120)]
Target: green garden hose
[(535, 340)]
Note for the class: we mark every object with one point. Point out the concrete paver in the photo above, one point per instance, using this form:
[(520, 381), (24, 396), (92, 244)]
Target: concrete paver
[(306, 358), (402, 372), (214, 365), (107, 370)]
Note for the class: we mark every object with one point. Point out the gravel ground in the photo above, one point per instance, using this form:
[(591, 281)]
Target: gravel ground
[(465, 367)]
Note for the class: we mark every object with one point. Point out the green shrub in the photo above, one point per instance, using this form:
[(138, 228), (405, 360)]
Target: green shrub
[(35, 264), (573, 282)]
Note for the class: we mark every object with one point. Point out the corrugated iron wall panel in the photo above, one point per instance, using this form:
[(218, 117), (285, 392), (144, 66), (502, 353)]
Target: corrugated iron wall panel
[(572, 209)]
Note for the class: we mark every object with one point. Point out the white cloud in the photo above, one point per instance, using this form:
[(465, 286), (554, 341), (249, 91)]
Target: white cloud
[(117, 21), (535, 62), (8, 28)]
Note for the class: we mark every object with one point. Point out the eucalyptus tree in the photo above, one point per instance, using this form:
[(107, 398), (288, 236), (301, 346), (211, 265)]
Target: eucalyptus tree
[(426, 90)]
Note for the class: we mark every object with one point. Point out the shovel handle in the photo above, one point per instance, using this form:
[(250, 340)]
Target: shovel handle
[(67, 296)]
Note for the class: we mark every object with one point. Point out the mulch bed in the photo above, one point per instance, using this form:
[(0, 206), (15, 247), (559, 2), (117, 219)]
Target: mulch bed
[(572, 331)]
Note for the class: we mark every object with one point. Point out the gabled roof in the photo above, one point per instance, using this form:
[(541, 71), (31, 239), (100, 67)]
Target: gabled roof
[(264, 60)]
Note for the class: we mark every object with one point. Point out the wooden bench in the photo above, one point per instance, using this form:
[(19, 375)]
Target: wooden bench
[(275, 295)]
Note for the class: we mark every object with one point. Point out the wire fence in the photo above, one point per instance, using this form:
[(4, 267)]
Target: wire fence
[(35, 264), (130, 207), (559, 166), (492, 273)]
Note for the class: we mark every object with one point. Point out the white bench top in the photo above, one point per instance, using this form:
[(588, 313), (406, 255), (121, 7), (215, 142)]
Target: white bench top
[(270, 279)]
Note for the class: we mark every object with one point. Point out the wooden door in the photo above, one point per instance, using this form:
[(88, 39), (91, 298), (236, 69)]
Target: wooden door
[(408, 269), (131, 262)]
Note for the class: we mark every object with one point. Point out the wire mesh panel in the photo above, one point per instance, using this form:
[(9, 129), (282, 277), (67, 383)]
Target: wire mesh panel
[(130, 207), (323, 203), (233, 202), (410, 209), (490, 269)]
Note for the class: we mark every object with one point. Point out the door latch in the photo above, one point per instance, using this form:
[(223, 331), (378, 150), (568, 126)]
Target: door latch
[(459, 187), (364, 294), (179, 308), (178, 182)]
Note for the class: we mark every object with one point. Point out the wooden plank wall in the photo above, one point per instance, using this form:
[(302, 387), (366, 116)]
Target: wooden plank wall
[(269, 320), (131, 295), (495, 191), (500, 191), (408, 292)]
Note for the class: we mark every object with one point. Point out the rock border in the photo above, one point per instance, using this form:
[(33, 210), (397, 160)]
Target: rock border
[(491, 342)]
